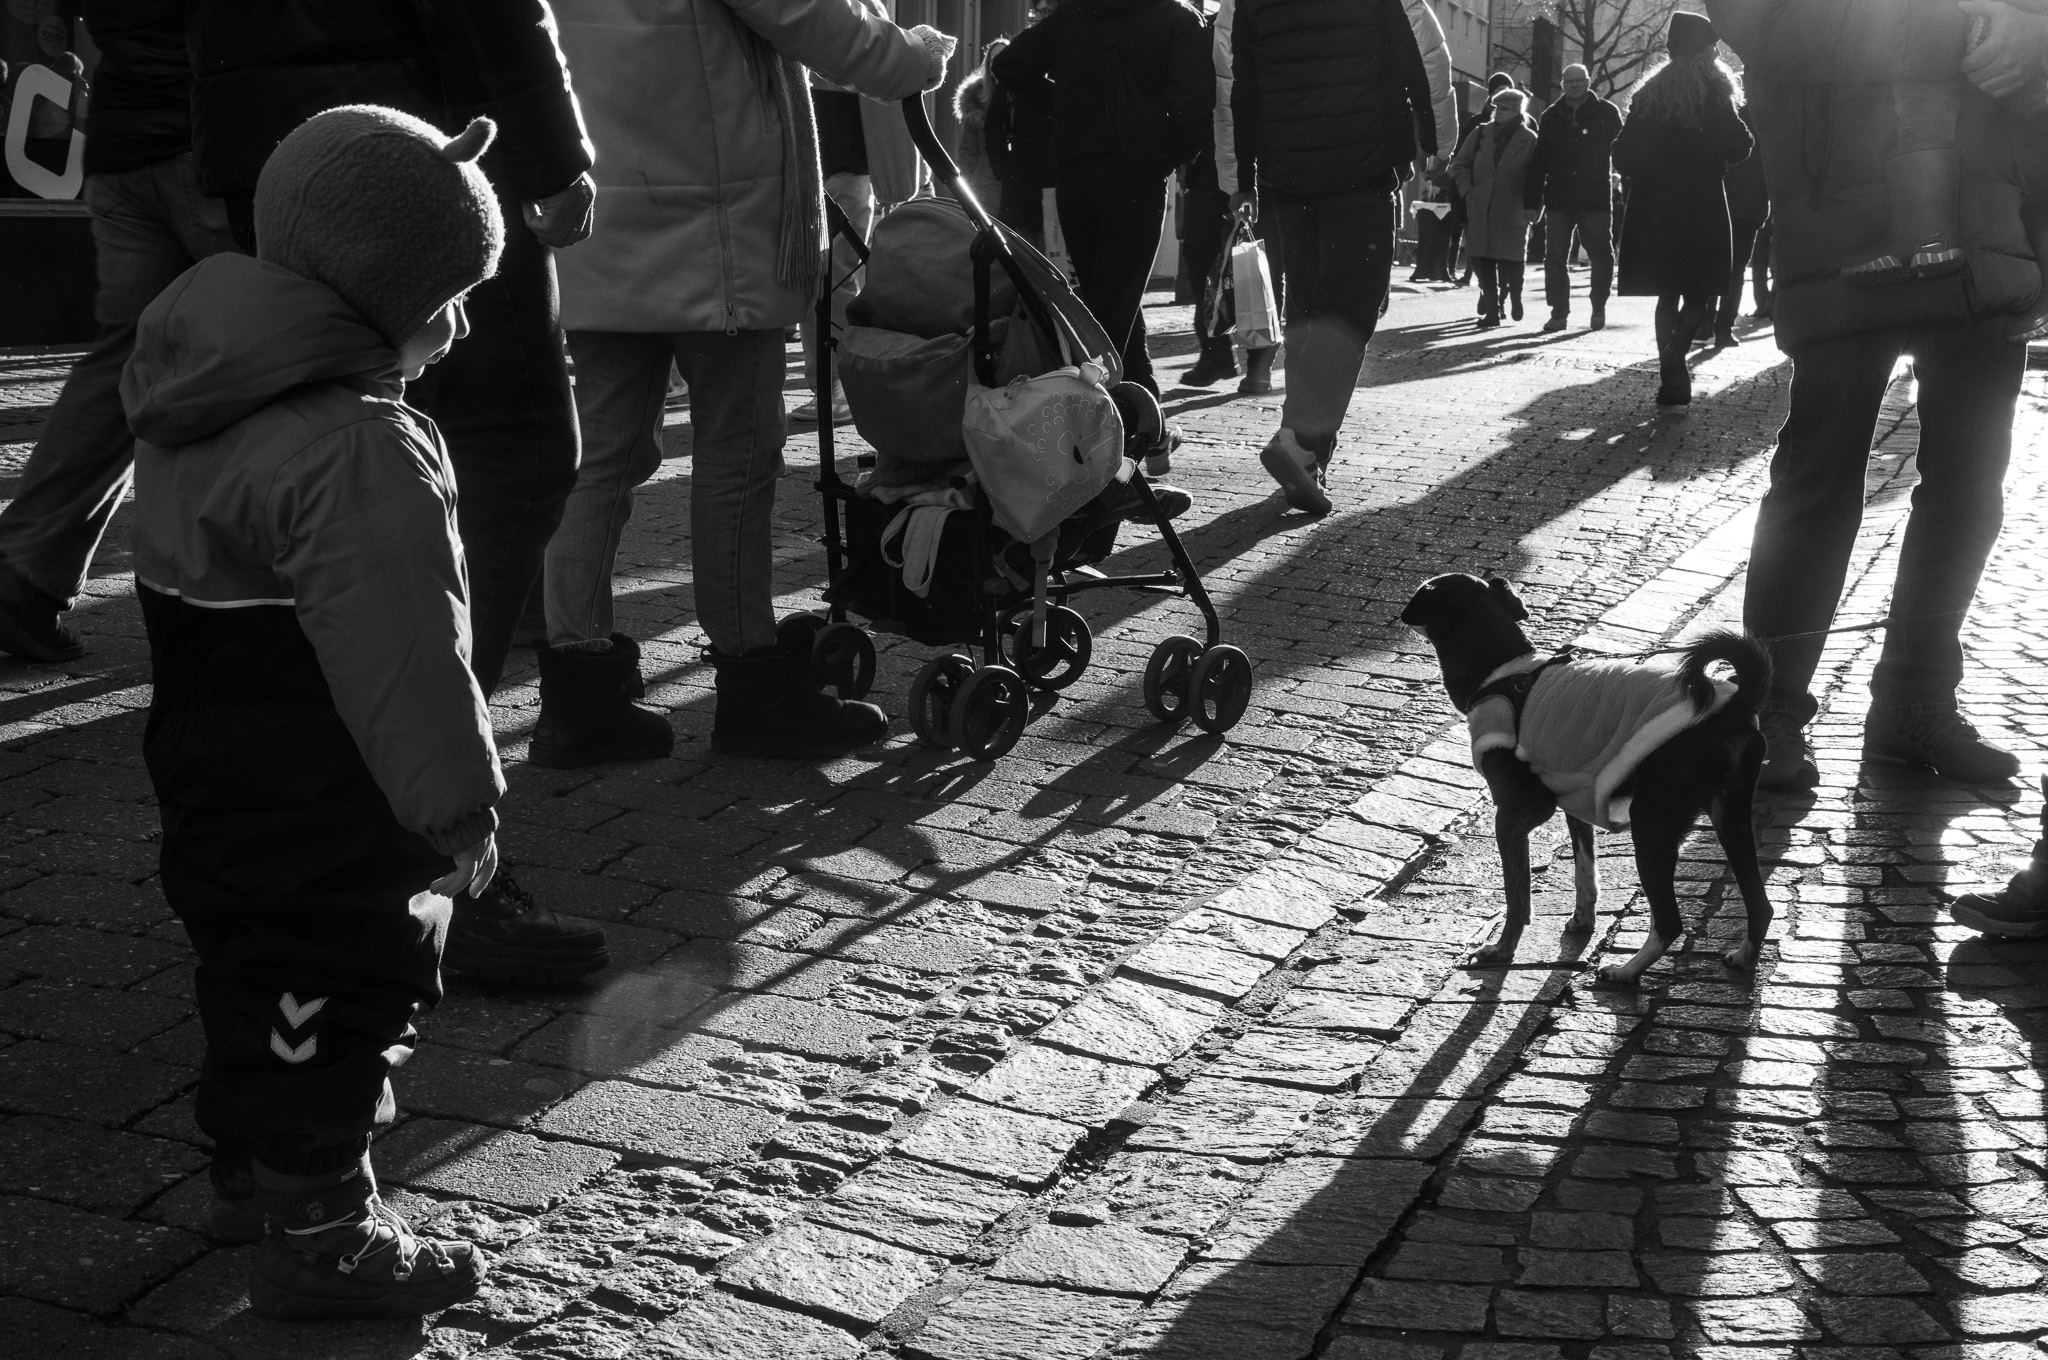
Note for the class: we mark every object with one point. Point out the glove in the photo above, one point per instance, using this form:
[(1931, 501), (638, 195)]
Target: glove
[(938, 49), (563, 219)]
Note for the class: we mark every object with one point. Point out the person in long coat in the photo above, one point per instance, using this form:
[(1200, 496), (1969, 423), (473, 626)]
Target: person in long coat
[(1492, 171), (1682, 134)]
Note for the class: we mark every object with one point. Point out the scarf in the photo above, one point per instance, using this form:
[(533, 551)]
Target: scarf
[(802, 264)]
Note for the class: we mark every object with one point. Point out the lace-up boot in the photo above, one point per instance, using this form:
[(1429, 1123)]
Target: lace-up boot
[(2020, 909), (332, 1249), (503, 935), (1939, 737)]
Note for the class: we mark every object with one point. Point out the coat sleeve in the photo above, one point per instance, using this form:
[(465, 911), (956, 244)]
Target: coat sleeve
[(1436, 59), (499, 59), (1226, 131), (1630, 147), (1025, 66), (366, 518), (1541, 159), (1728, 135), (848, 42), (1244, 98), (1416, 91), (1190, 90), (1461, 165), (1843, 42)]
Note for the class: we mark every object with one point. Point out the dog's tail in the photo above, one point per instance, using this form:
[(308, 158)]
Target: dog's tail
[(1752, 665)]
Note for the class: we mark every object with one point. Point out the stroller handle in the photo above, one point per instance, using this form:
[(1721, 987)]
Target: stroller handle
[(943, 168)]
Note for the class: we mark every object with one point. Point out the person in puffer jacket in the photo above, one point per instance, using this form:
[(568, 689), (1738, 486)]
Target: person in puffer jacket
[(320, 748)]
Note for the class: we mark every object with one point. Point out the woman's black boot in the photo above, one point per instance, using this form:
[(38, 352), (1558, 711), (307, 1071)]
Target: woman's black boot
[(767, 706), (1217, 362), (1258, 372), (587, 713)]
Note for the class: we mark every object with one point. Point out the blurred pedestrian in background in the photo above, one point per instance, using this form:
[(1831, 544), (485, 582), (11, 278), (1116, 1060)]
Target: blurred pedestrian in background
[(970, 106), (1492, 168), (1749, 207), (150, 223), (1681, 136), (501, 398), (710, 244), (1019, 136), (1258, 363), (1821, 75), (1570, 178), (1130, 88), (1332, 107)]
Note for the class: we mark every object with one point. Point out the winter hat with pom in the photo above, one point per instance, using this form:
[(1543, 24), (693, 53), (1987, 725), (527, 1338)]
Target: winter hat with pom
[(384, 209)]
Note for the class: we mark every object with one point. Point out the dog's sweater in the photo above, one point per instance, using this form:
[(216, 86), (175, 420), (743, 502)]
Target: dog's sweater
[(1586, 725)]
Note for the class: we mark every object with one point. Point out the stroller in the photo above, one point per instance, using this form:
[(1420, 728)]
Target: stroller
[(980, 587)]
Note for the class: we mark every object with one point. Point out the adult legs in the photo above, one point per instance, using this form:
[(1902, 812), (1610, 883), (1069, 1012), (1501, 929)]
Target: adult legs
[(1595, 233), (1340, 250), (1112, 231), (502, 401), (149, 226), (1678, 319), (1488, 271), (1204, 214), (1557, 250), (1760, 269), (1744, 240)]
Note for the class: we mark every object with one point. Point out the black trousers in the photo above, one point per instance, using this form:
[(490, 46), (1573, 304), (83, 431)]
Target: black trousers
[(1337, 252), (1110, 216), (1744, 240), (1205, 219), (1969, 380)]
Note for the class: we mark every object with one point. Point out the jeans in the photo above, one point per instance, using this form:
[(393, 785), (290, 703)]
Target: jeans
[(1594, 232), (1110, 215), (737, 427), (1337, 252), (1969, 381), (502, 401), (1743, 237), (148, 226)]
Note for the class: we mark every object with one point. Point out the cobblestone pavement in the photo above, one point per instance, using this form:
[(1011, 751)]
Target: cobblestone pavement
[(1131, 1043)]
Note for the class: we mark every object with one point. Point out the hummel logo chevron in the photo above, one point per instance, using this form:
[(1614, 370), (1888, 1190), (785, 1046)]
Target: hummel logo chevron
[(296, 1015), (292, 1055)]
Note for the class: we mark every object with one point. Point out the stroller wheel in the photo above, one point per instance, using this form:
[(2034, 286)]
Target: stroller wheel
[(1167, 675), (1219, 688), (1068, 645), (931, 698), (989, 712), (797, 634), (843, 659)]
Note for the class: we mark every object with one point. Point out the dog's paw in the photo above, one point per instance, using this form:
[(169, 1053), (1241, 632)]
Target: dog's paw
[(1617, 976), (1498, 953), (1742, 957), (1581, 922)]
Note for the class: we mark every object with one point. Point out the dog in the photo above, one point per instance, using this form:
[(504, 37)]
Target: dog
[(1696, 749)]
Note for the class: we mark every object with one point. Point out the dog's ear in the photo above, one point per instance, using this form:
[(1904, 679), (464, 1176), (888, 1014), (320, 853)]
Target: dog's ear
[(1504, 595)]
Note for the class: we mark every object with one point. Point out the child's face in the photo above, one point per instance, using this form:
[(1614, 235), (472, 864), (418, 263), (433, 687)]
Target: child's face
[(435, 339)]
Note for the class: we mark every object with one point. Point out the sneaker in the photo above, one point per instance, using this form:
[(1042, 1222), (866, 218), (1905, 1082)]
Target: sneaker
[(1788, 755), (1941, 739), (1598, 321), (1555, 324), (1294, 468), (506, 936), (29, 624), (1726, 339), (807, 414), (2019, 911), (341, 1253)]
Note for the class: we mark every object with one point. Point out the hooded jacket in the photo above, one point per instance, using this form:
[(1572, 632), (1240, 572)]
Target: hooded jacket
[(296, 555), (1124, 78), (1820, 76), (689, 151)]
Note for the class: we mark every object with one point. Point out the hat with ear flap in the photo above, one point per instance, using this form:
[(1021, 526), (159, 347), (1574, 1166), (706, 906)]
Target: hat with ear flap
[(383, 208)]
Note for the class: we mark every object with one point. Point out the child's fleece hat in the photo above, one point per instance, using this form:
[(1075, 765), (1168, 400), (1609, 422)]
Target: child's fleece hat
[(384, 209)]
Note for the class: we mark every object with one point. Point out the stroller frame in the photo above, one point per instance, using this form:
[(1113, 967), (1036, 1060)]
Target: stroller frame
[(993, 692)]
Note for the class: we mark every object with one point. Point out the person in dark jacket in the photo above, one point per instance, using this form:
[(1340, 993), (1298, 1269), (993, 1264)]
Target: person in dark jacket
[(1819, 76), (150, 223), (1331, 106), (1749, 207), (1570, 179), (1019, 136), (1681, 136), (501, 398), (1130, 88)]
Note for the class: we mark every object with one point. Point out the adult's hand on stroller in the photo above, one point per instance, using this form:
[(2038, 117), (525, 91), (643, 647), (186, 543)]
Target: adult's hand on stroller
[(2012, 51), (561, 220), (1245, 205), (474, 869), (938, 50)]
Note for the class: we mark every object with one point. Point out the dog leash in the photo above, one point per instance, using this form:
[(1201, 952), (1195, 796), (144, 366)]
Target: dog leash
[(1869, 627)]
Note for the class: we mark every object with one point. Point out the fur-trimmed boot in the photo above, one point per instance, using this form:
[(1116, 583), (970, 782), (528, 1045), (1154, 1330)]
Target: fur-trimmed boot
[(767, 706), (332, 1249), (587, 713)]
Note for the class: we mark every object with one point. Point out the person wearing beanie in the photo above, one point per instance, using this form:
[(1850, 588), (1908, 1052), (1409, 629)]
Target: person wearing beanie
[(1682, 134), (1491, 170), (710, 242), (502, 397), (1571, 182), (320, 748)]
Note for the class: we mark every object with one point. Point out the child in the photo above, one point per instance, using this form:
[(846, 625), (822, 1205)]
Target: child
[(319, 748)]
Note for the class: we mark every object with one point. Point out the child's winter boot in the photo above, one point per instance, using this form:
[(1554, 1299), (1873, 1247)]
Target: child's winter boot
[(333, 1249), (237, 1218), (2021, 908), (2032, 324), (587, 713), (1925, 187), (767, 706)]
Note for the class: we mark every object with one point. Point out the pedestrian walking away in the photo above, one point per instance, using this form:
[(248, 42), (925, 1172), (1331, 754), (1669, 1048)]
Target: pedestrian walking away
[(1845, 336), (501, 398), (319, 745), (731, 283), (1130, 88), (150, 223), (1492, 171), (1331, 107), (1749, 207), (1571, 181), (1681, 136)]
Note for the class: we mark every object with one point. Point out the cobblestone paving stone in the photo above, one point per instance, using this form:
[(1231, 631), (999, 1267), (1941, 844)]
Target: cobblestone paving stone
[(1131, 1043)]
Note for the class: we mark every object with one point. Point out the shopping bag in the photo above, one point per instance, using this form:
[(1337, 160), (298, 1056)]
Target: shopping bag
[(1043, 447), (1258, 308)]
